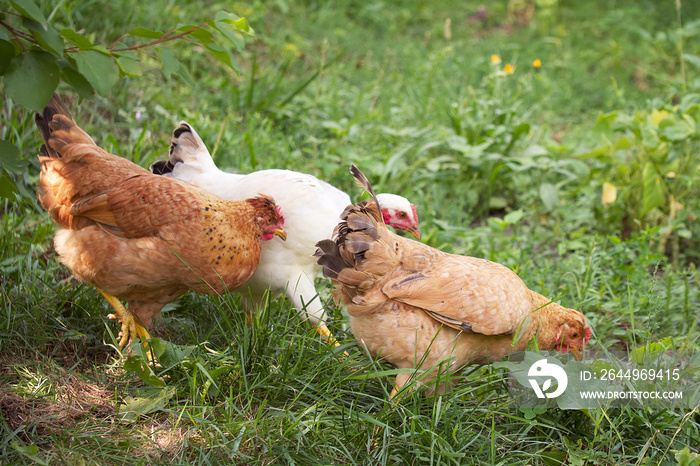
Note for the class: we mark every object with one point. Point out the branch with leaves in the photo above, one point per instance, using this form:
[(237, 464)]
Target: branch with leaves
[(35, 57)]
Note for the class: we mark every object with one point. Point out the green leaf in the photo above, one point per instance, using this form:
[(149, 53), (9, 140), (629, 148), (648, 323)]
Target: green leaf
[(678, 131), (147, 33), (653, 193), (47, 36), (102, 49), (534, 150), (689, 103), (514, 216), (650, 136), (77, 39), (233, 35), (32, 79), (201, 34), (621, 143), (223, 55), (10, 158), (101, 71), (169, 62), (692, 59), (7, 52), (520, 130), (129, 66), (684, 457), (139, 367), (169, 354), (136, 406), (233, 27), (77, 81), (28, 9), (28, 451), (8, 187), (603, 124), (239, 23), (549, 195)]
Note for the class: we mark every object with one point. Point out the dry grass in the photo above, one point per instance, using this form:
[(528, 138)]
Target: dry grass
[(57, 404), (72, 401)]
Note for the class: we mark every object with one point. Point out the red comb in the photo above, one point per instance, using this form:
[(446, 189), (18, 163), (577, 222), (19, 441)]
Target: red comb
[(279, 214)]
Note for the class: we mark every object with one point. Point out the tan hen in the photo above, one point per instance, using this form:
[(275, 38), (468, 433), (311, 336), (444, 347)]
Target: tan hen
[(141, 237), (415, 306)]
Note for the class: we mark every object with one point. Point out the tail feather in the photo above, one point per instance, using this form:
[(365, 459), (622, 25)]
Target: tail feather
[(357, 241), (186, 144), (73, 166), (329, 258), (53, 108), (161, 167), (359, 221), (360, 254), (58, 129), (365, 184)]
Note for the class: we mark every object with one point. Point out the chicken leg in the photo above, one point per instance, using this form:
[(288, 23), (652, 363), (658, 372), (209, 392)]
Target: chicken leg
[(325, 332), (305, 299), (131, 327)]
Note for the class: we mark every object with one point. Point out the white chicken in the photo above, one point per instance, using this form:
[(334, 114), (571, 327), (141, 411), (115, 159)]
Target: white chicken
[(311, 208)]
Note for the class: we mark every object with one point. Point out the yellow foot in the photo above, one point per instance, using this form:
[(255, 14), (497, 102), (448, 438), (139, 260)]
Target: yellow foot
[(131, 327), (325, 332), (393, 393)]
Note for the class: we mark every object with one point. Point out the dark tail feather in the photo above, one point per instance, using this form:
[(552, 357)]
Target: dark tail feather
[(364, 183), (182, 128), (53, 108), (177, 132), (329, 257), (161, 167), (359, 221)]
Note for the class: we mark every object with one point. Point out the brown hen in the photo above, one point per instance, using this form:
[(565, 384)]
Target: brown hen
[(416, 306), (144, 238)]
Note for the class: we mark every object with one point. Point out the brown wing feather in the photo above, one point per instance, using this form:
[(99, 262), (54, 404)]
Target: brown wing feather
[(96, 208), (465, 293), (142, 205)]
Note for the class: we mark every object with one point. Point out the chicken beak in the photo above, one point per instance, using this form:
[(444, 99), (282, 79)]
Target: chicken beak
[(576, 352), (414, 231), (281, 233)]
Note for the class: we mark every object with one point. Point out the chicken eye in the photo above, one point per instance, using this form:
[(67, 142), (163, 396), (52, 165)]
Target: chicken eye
[(269, 220), (402, 214), (574, 335)]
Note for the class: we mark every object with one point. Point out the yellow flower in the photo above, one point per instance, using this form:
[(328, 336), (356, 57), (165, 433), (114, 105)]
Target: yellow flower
[(609, 194), (495, 59), (537, 63), (291, 50), (508, 69)]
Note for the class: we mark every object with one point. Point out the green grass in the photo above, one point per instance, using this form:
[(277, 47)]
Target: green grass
[(494, 164)]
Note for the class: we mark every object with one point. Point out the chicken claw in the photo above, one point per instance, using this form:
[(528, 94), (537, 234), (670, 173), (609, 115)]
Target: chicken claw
[(323, 330), (131, 327)]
